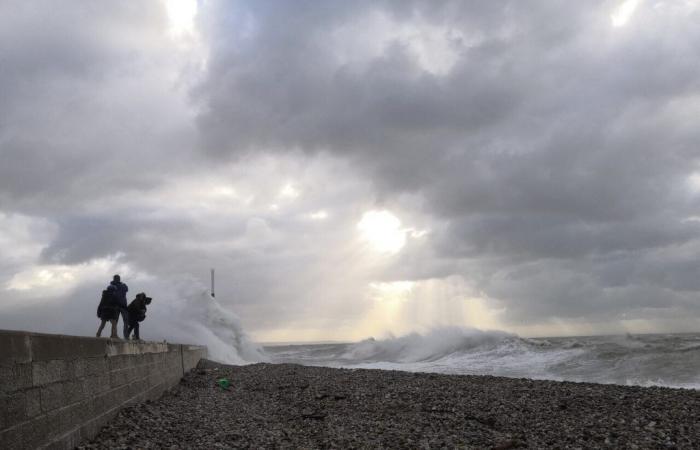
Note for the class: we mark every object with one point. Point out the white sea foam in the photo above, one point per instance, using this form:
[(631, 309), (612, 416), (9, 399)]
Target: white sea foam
[(184, 311), (645, 360), (415, 347)]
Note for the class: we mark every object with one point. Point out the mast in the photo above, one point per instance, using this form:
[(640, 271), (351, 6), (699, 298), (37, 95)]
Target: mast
[(212, 283)]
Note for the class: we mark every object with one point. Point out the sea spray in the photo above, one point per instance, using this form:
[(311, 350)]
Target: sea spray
[(415, 347), (184, 311), (663, 360)]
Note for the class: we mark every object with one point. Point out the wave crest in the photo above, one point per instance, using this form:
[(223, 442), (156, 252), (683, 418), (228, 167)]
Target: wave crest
[(188, 313), (435, 344)]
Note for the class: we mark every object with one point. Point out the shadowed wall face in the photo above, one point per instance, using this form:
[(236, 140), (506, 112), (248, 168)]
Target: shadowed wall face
[(60, 390)]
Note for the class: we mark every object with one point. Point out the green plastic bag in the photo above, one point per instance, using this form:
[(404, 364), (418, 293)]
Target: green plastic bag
[(223, 383)]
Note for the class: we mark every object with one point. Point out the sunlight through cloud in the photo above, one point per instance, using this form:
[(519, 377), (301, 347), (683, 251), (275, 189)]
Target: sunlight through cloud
[(181, 14), (382, 230), (623, 13), (319, 215), (289, 191)]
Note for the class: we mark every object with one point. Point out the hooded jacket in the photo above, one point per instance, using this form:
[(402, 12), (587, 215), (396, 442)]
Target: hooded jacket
[(108, 308), (137, 308), (121, 290)]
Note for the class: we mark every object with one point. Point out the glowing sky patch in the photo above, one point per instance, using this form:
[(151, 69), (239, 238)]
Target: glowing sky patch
[(382, 231), (433, 48), (319, 215), (623, 13), (289, 191), (391, 290), (181, 15)]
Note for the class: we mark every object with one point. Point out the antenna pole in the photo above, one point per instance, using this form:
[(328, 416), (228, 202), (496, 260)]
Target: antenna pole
[(212, 283)]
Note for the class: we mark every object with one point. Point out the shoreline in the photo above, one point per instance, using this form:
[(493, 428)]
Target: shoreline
[(294, 406)]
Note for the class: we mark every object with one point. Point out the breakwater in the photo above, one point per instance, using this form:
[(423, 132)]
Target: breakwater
[(57, 390)]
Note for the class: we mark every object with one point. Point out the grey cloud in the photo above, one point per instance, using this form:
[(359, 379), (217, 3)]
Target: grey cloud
[(548, 161), (65, 126), (553, 137)]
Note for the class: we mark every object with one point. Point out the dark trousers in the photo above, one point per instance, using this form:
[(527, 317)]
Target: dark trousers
[(125, 319), (135, 327)]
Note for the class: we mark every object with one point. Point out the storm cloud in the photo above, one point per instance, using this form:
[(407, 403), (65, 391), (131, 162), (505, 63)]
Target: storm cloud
[(542, 159)]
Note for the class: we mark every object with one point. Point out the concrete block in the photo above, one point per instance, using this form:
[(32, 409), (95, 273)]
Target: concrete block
[(191, 355), (58, 395), (142, 372), (156, 377), (60, 421), (136, 399), (120, 362), (26, 435), (156, 391), (67, 441), (95, 384), (138, 387), (45, 372), (46, 347), (151, 358), (12, 409), (135, 348), (118, 378), (91, 428), (66, 421), (101, 404), (52, 397), (16, 377), (73, 392), (32, 402), (85, 367), (111, 399), (15, 347)]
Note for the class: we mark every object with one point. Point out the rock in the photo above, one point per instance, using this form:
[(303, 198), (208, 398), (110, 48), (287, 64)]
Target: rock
[(505, 445), (311, 414), (396, 409)]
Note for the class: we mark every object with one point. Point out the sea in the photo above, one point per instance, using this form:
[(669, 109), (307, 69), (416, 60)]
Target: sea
[(671, 360)]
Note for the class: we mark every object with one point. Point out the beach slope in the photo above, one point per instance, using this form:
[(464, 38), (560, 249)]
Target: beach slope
[(292, 406)]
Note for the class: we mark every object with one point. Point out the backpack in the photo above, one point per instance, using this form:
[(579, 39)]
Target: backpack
[(109, 299)]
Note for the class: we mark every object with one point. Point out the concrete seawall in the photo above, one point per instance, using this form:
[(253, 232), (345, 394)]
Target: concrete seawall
[(56, 391)]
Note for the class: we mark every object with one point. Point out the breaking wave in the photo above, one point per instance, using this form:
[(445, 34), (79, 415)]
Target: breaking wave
[(646, 360), (415, 347), (188, 313)]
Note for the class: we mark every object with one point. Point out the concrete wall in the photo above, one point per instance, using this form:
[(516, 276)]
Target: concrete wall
[(56, 391)]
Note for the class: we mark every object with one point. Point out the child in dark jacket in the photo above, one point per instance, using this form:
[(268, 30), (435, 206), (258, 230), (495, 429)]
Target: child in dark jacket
[(108, 310), (137, 313)]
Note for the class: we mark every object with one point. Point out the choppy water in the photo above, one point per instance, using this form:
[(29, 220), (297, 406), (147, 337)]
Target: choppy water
[(661, 359)]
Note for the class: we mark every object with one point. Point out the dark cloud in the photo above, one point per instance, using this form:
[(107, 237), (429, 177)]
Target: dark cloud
[(553, 139), (548, 155)]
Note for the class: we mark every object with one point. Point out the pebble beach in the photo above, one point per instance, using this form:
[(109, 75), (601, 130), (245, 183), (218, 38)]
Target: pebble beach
[(293, 406)]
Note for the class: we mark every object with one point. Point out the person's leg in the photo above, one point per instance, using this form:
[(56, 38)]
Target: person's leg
[(128, 331), (99, 330), (114, 329), (125, 318), (136, 332)]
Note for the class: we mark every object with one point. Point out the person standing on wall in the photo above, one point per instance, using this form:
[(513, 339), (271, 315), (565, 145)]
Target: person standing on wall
[(108, 311), (137, 313), (120, 293)]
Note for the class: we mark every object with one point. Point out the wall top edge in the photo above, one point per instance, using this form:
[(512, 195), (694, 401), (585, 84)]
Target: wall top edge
[(116, 344)]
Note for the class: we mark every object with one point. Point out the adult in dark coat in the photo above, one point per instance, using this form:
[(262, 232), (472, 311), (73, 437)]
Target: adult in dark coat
[(108, 311), (137, 313), (121, 290)]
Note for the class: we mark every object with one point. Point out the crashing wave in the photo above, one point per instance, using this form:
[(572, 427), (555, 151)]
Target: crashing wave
[(188, 313), (433, 345)]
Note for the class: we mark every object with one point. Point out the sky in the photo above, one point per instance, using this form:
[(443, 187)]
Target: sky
[(353, 169)]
